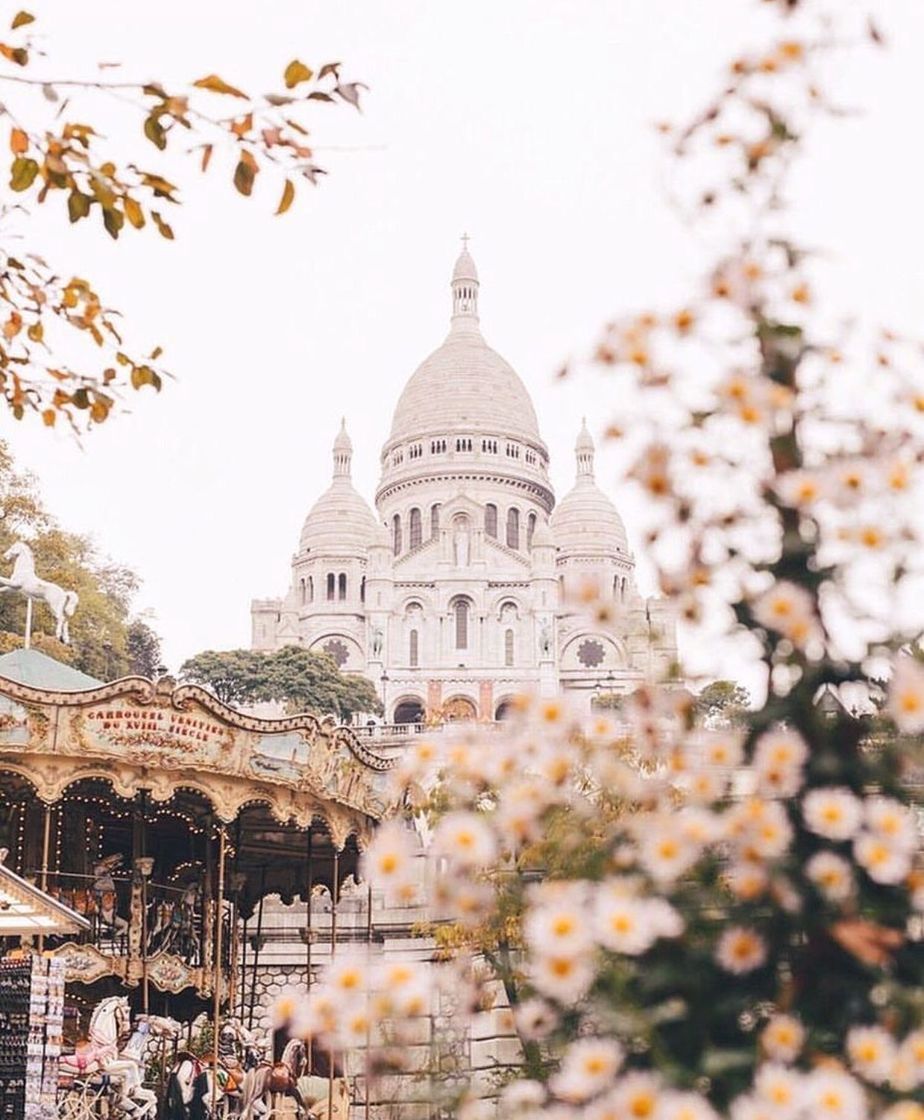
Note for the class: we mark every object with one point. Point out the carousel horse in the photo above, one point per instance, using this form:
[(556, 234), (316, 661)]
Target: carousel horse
[(106, 899), (99, 1054), (272, 1079), (23, 578), (173, 928), (323, 1087), (193, 1083)]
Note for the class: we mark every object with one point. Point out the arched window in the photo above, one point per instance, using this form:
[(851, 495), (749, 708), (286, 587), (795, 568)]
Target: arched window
[(331, 585), (304, 592), (461, 610), (310, 589), (341, 582), (415, 532), (530, 529), (396, 534), (508, 648), (513, 528), (434, 519), (362, 590), (490, 520), (413, 650)]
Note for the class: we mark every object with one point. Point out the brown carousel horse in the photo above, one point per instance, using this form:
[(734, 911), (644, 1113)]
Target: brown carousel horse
[(275, 1079)]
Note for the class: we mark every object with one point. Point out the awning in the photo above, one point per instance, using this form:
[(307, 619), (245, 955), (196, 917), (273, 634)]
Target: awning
[(24, 910)]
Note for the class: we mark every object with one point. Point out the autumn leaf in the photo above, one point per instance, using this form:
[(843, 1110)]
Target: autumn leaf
[(165, 230), (245, 173), (21, 19), (349, 91), (22, 173), (206, 156), (297, 72), (155, 132), (218, 85), (19, 142), (19, 55), (78, 205), (49, 416), (288, 197), (133, 211)]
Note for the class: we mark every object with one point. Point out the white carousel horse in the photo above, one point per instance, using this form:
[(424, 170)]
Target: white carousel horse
[(270, 1079), (23, 578), (100, 1054)]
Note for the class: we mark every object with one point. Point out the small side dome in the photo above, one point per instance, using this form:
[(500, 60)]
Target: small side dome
[(542, 535), (585, 522), (340, 520)]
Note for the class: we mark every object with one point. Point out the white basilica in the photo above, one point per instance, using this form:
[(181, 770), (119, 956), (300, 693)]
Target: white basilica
[(468, 583)]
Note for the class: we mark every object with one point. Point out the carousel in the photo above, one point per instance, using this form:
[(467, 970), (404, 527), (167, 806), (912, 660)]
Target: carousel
[(160, 819)]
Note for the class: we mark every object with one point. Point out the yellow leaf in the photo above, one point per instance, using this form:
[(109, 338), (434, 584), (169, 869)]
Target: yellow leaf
[(49, 416), (165, 230), (206, 156), (21, 19), (218, 85), (288, 197), (36, 332), (297, 72), (133, 211), (19, 142)]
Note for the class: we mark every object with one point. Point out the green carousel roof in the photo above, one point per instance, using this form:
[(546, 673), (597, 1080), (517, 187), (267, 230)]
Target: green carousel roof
[(38, 670)]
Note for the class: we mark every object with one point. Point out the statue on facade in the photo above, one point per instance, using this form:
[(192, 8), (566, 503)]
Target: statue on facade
[(23, 578), (378, 642), (545, 639)]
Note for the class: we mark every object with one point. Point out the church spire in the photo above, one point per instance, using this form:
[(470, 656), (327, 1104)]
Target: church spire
[(584, 452), (464, 287), (343, 452)]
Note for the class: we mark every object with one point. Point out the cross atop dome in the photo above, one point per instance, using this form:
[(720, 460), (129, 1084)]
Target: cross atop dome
[(464, 287)]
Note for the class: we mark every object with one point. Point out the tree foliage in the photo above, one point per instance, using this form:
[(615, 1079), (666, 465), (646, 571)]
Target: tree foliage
[(62, 354), (722, 703), (300, 679), (105, 639)]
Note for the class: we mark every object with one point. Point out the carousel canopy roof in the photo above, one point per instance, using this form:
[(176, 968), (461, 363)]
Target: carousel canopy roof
[(24, 909), (38, 670)]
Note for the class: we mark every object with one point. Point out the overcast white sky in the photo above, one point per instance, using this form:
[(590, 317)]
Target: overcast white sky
[(526, 123)]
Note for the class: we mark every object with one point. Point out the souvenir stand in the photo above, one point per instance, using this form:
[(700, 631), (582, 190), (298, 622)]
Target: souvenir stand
[(31, 1001)]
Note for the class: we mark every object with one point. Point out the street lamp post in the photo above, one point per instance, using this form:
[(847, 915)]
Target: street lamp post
[(384, 680)]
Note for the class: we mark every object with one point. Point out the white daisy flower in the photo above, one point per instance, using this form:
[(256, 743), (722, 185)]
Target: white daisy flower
[(685, 1106), (872, 1052), (665, 851), (911, 1054), (638, 1096), (781, 1087), (832, 1095), (741, 950), (466, 838), (882, 861), (783, 1038), (832, 875), (521, 1095), (388, 861), (621, 923), (564, 977), (906, 696), (892, 821), (535, 1019), (588, 1067), (560, 927), (833, 812)]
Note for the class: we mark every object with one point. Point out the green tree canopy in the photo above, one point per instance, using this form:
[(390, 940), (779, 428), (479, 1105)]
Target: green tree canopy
[(299, 678), (105, 639), (722, 703)]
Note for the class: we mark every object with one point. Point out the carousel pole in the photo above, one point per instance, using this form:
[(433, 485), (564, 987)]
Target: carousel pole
[(309, 887), (257, 944), (46, 839), (334, 898), (244, 971), (27, 639), (216, 976), (368, 996)]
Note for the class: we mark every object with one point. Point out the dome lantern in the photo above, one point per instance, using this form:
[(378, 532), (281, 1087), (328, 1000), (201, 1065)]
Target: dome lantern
[(464, 286)]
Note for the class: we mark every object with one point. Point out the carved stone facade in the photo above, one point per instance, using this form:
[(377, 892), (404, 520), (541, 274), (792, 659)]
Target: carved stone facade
[(468, 584)]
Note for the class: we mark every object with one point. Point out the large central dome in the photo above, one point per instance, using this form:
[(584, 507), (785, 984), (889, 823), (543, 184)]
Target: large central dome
[(464, 385)]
